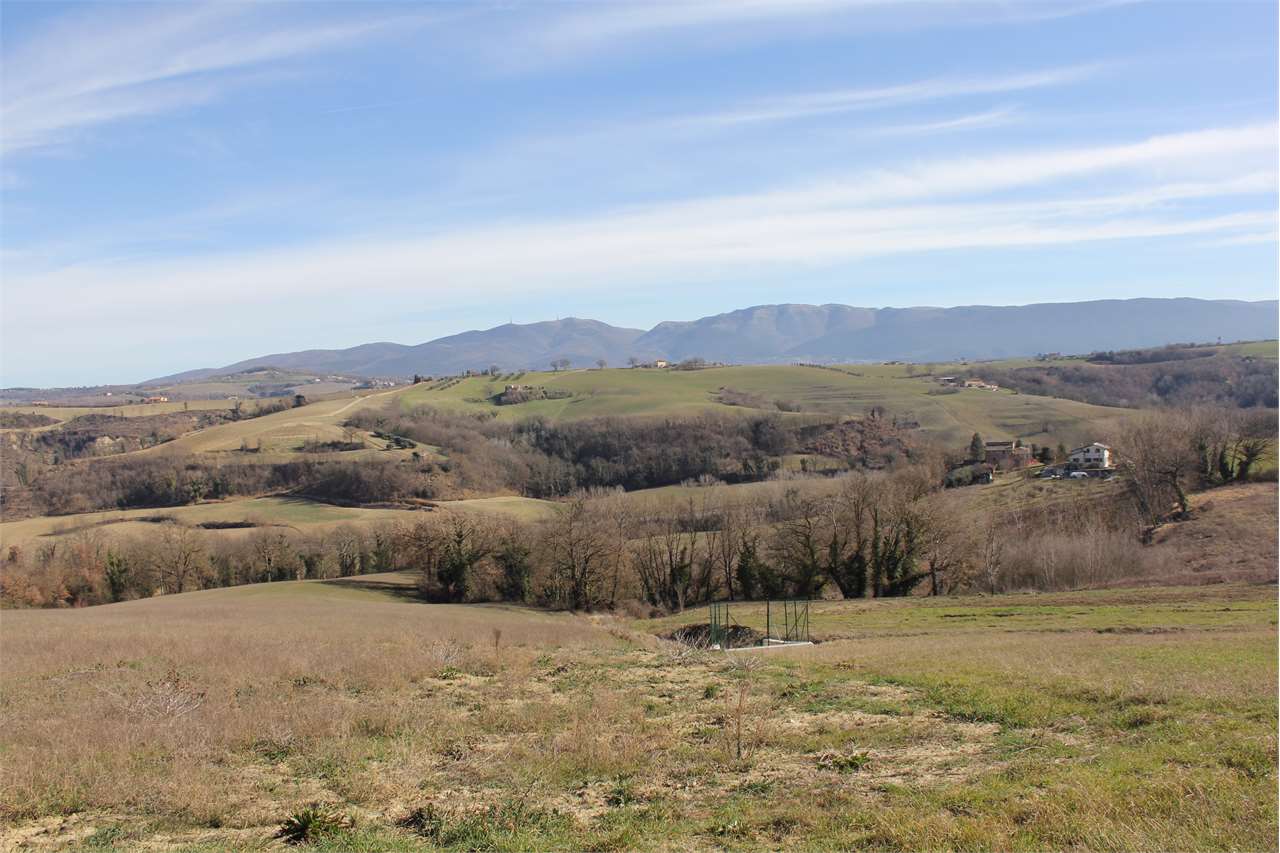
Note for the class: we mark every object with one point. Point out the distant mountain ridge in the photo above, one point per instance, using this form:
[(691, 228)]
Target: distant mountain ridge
[(792, 332)]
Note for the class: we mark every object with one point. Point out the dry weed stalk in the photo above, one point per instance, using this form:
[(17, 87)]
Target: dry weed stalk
[(165, 699), (743, 671)]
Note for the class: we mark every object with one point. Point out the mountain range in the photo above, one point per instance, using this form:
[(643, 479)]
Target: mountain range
[(789, 333)]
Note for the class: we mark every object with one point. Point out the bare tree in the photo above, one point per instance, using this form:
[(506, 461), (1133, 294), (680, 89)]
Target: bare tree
[(992, 553), (723, 545), (179, 558), (577, 555), (666, 562), (945, 546), (447, 555), (1158, 450)]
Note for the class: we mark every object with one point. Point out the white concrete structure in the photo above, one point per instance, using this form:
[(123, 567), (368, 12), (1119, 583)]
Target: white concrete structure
[(1094, 455)]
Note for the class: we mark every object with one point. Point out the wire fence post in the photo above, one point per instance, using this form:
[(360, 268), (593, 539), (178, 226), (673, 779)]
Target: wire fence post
[(719, 621)]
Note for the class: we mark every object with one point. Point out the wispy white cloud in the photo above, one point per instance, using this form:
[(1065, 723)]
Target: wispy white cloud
[(1257, 238), (973, 121), (1161, 187), (592, 26), (811, 104), (96, 67)]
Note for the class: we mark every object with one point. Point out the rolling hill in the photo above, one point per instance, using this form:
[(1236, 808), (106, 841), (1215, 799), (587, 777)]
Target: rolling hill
[(789, 333), (949, 415)]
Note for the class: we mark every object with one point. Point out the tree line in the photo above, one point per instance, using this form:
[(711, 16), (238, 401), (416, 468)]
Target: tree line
[(870, 534)]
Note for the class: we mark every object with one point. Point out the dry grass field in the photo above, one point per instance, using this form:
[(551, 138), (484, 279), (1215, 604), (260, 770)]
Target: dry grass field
[(1121, 719), (280, 432), (298, 514), (132, 410)]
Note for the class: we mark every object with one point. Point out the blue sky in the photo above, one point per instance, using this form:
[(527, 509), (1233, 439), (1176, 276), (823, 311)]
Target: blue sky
[(186, 185)]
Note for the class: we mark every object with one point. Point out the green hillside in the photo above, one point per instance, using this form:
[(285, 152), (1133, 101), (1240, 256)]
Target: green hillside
[(902, 391)]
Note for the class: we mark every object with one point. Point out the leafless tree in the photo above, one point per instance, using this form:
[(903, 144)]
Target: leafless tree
[(577, 555), (667, 560), (179, 558)]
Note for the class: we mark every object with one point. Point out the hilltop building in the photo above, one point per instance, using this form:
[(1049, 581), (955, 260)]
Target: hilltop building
[(1095, 455), (1007, 454)]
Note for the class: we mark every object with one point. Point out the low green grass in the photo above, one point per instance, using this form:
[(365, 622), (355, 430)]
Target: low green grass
[(1153, 611), (1257, 349)]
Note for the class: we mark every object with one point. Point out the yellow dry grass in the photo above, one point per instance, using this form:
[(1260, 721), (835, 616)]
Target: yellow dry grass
[(1133, 719), (298, 514)]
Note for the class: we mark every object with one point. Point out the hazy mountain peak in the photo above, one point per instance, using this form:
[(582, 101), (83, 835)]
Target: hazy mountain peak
[(788, 332)]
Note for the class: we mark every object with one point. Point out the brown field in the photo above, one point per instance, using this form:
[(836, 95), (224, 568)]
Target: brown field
[(297, 514), (1126, 719)]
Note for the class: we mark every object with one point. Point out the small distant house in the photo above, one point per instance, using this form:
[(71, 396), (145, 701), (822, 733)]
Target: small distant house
[(1095, 455), (156, 399), (661, 362), (947, 380), (1007, 454)]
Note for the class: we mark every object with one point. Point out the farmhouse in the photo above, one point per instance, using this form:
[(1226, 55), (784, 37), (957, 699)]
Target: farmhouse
[(1007, 454), (1095, 455), (156, 399), (662, 362)]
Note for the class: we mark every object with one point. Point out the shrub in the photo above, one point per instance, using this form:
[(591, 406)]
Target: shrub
[(311, 823)]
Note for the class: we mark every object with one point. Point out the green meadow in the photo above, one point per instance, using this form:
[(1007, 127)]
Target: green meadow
[(951, 415)]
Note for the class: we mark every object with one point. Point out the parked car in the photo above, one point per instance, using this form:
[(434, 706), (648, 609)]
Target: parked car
[(1079, 475)]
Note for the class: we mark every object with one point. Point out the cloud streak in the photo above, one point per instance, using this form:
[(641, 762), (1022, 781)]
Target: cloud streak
[(594, 26), (1156, 188), (832, 102), (95, 68)]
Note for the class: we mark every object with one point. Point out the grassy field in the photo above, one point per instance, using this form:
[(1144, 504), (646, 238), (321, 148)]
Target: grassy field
[(1257, 349), (136, 410), (280, 431), (296, 513), (1123, 719), (953, 417)]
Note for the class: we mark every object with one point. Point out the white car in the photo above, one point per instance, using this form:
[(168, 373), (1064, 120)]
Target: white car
[(1078, 475)]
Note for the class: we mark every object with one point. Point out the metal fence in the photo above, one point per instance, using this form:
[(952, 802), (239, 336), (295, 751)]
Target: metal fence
[(785, 621)]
